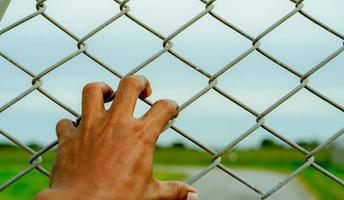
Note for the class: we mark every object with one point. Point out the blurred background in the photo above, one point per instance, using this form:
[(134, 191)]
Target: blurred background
[(213, 120)]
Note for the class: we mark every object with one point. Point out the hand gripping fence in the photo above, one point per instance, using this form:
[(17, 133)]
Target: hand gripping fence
[(167, 48)]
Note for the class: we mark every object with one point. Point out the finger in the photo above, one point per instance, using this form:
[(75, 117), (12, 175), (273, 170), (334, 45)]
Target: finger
[(192, 196), (64, 128), (174, 190), (93, 96), (160, 114), (129, 89)]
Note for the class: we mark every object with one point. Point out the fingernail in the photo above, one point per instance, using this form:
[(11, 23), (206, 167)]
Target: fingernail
[(177, 111), (77, 122), (192, 196)]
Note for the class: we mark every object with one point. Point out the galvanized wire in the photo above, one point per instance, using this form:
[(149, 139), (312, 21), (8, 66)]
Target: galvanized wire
[(167, 48), (3, 6)]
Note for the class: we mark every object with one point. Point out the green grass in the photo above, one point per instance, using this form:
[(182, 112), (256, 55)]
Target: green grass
[(322, 186), (283, 160)]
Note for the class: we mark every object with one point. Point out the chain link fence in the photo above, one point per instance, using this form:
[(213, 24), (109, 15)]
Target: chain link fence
[(167, 48)]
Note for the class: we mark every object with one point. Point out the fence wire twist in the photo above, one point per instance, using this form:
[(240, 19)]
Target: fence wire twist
[(167, 48)]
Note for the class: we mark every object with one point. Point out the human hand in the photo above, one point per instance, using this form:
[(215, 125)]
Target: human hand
[(109, 155)]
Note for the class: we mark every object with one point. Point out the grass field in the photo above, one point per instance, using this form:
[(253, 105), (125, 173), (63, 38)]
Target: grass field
[(284, 160)]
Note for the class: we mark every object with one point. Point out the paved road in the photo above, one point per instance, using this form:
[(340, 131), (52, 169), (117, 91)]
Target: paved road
[(217, 185)]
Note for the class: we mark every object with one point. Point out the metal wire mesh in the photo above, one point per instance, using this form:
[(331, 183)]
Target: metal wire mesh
[(167, 48)]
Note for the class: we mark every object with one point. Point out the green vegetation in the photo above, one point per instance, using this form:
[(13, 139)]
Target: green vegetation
[(15, 160), (268, 157)]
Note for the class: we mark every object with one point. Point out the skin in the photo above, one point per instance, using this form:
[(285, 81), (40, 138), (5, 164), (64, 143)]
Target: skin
[(109, 155)]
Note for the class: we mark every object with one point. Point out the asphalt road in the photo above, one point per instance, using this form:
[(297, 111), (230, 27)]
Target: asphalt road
[(217, 185)]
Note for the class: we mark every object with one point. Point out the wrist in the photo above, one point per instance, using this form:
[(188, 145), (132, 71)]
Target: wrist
[(72, 194)]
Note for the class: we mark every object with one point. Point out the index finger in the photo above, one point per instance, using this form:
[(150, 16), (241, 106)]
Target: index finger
[(93, 95), (130, 88), (159, 115)]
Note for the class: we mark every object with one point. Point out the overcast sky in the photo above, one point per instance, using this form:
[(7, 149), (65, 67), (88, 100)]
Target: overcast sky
[(123, 45)]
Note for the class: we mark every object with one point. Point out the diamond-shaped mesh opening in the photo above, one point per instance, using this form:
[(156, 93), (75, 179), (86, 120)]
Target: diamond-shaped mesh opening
[(24, 185), (73, 76), (12, 78), (211, 129), (330, 88), (324, 185), (329, 12), (257, 82), (215, 182), (253, 19), (257, 155), (329, 157), (210, 48), (182, 150), (305, 116), (298, 52), (280, 156), (17, 10), (168, 21), (129, 44), (82, 11), (37, 43), (14, 159), (179, 88), (34, 111)]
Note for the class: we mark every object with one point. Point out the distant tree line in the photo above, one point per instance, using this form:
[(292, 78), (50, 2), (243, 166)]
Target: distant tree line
[(7, 145), (265, 143), (270, 143)]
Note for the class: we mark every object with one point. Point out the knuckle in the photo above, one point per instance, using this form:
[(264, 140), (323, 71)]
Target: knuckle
[(60, 126), (63, 129), (46, 194), (61, 123), (138, 128), (176, 188), (168, 105), (89, 87), (131, 81), (142, 133), (146, 141)]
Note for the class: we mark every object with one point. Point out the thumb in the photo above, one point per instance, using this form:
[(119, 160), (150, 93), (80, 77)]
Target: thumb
[(174, 190)]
